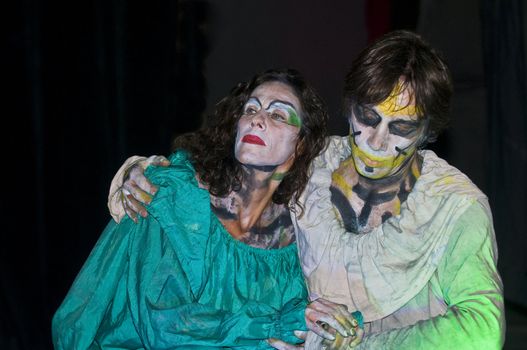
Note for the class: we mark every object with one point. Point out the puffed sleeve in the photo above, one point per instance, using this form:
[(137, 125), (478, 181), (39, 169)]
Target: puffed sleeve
[(77, 320), (472, 290)]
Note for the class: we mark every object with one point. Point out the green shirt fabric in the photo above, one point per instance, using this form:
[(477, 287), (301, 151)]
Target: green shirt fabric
[(177, 279), (461, 306)]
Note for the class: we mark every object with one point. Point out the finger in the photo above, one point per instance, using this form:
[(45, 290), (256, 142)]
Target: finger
[(155, 161), (134, 205), (300, 334), (337, 322), (336, 315), (321, 329), (140, 195), (282, 345), (327, 307), (138, 178), (337, 344), (358, 338), (160, 161), (131, 214)]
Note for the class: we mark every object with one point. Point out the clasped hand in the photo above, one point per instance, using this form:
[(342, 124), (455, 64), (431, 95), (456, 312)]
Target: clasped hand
[(331, 321)]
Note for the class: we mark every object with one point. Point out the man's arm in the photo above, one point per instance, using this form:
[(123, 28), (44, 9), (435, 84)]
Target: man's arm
[(470, 286)]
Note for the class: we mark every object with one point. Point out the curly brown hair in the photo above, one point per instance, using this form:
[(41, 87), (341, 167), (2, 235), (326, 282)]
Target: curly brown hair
[(378, 68), (211, 148)]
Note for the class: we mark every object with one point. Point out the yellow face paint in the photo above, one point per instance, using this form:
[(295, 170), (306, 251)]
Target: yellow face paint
[(373, 161), (398, 103)]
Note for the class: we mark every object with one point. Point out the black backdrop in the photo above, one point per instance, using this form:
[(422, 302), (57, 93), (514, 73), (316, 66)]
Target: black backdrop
[(88, 84)]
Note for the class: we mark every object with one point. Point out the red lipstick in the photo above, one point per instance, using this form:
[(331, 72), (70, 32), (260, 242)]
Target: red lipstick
[(253, 139)]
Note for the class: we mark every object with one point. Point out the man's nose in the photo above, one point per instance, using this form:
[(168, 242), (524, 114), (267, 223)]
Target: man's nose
[(378, 139), (258, 121)]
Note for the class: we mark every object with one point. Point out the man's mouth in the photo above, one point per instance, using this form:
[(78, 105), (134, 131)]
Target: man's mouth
[(253, 139), (370, 162)]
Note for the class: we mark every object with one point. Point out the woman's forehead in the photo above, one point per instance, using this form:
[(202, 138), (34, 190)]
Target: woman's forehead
[(276, 91)]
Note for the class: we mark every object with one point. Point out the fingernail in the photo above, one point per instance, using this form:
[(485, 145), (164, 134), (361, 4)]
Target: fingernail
[(143, 213), (354, 323)]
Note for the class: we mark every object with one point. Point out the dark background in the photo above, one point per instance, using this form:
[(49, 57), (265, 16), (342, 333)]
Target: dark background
[(87, 84)]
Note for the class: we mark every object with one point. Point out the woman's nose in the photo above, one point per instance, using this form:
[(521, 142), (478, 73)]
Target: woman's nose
[(258, 120)]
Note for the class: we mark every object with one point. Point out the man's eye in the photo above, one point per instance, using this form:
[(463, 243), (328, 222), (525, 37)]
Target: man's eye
[(368, 117), (403, 129)]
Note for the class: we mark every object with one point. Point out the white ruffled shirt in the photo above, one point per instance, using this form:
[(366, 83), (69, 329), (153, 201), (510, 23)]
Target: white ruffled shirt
[(391, 273)]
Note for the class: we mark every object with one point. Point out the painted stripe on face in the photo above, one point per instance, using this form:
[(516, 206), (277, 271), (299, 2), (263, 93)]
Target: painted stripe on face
[(396, 105), (288, 111), (374, 161)]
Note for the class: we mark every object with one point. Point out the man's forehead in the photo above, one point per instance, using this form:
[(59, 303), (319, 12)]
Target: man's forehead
[(400, 102)]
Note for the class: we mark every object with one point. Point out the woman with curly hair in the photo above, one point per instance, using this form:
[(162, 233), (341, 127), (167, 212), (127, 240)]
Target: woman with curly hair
[(215, 264)]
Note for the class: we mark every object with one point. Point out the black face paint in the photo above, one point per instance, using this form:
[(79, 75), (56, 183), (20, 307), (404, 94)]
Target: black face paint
[(400, 151), (264, 168)]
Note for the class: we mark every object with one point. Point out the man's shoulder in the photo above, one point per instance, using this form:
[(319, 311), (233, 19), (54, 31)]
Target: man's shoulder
[(438, 177), (337, 149)]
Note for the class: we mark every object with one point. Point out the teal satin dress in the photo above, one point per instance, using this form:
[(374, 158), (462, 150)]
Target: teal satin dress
[(178, 280)]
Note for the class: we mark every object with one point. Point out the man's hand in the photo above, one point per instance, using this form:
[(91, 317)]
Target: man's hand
[(131, 190), (341, 342), (326, 319)]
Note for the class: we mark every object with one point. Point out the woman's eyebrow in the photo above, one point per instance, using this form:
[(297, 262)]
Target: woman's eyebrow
[(254, 99), (274, 102)]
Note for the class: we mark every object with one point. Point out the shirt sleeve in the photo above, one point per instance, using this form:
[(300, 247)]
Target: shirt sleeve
[(470, 286), (77, 320)]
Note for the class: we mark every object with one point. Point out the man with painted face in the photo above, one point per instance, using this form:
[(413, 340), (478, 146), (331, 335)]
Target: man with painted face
[(389, 228)]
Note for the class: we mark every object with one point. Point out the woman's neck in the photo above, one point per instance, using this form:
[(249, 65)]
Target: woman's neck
[(255, 194), (249, 214)]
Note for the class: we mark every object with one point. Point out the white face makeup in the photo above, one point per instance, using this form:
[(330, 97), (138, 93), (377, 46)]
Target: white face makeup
[(384, 137), (268, 129)]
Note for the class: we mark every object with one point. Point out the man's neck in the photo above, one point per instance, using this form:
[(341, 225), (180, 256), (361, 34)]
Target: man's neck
[(365, 203)]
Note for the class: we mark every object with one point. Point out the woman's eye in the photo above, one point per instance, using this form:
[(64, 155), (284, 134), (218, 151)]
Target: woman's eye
[(277, 116), (250, 110)]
